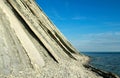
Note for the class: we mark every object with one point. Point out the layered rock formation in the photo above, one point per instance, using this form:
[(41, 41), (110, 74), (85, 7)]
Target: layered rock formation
[(32, 47)]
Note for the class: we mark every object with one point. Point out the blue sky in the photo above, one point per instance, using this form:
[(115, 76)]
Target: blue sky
[(90, 25)]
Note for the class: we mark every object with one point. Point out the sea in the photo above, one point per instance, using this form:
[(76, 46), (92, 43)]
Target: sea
[(107, 61)]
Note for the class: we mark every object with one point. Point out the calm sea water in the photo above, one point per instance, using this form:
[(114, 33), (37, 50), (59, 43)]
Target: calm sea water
[(108, 61)]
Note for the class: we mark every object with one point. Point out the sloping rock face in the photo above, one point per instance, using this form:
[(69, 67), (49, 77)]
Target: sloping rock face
[(32, 47)]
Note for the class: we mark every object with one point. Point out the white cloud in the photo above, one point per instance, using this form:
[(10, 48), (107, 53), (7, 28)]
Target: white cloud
[(108, 41)]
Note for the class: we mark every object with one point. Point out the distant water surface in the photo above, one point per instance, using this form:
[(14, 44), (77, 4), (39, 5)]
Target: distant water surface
[(108, 61)]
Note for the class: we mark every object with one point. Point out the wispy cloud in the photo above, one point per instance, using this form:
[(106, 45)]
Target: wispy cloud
[(55, 15), (79, 18), (112, 23), (107, 41)]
